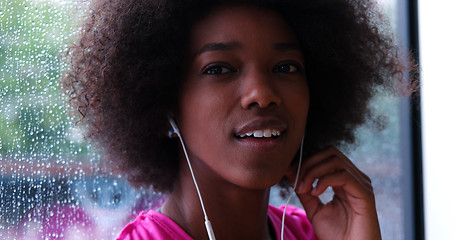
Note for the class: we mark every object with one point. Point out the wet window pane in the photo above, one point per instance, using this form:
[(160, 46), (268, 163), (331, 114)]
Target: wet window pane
[(52, 185)]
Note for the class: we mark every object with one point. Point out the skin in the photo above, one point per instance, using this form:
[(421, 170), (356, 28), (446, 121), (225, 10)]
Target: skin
[(242, 77)]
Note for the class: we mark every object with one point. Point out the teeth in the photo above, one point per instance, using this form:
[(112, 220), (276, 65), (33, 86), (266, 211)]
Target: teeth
[(258, 134), (262, 133)]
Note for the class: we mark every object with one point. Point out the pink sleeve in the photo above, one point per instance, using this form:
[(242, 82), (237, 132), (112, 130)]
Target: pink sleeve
[(152, 225), (297, 225), (136, 230)]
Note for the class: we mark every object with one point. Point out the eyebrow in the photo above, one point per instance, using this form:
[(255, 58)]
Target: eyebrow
[(219, 47), (236, 45)]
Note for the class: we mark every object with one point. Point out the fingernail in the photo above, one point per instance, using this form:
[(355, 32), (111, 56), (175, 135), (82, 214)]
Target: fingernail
[(313, 192)]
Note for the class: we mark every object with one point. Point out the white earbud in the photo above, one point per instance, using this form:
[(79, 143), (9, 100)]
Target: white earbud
[(175, 129)]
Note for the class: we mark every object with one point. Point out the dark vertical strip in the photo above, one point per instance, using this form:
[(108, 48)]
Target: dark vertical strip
[(416, 130)]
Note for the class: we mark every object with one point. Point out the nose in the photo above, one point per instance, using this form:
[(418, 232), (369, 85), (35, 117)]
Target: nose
[(258, 91)]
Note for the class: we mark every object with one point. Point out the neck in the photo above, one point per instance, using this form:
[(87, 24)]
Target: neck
[(235, 212)]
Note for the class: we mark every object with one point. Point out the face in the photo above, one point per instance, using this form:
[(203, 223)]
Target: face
[(245, 98)]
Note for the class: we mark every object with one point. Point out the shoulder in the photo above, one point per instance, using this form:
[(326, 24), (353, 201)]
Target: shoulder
[(297, 225), (152, 225)]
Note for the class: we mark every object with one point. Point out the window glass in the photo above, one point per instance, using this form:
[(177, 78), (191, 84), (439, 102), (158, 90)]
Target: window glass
[(384, 155), (52, 185)]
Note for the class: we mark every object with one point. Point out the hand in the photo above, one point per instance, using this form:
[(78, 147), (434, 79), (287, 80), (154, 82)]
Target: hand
[(352, 212)]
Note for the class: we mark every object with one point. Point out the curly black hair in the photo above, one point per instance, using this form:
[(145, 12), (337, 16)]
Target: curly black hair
[(127, 66)]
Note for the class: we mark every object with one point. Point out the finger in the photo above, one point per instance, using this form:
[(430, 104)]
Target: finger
[(352, 190), (307, 163), (317, 157), (354, 169), (311, 204), (326, 166), (330, 152), (323, 154)]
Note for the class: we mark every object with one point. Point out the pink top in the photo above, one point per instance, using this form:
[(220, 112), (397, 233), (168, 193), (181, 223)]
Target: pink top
[(154, 225)]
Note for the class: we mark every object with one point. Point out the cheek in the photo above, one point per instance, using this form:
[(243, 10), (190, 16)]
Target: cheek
[(298, 104), (202, 116), (203, 105)]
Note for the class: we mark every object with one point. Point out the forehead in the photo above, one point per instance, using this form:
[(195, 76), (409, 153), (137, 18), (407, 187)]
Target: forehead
[(241, 24)]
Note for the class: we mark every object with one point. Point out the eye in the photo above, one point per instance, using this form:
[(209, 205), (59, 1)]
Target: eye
[(287, 68), (216, 70)]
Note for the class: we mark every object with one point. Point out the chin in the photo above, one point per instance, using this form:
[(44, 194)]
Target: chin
[(259, 181)]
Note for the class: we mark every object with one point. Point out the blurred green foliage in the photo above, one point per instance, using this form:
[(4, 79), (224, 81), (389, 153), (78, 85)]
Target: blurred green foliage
[(34, 36)]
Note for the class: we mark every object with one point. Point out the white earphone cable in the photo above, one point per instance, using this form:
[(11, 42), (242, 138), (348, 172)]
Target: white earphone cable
[(208, 225), (295, 186)]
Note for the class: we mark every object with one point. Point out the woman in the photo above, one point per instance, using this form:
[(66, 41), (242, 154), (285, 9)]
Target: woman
[(244, 82)]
